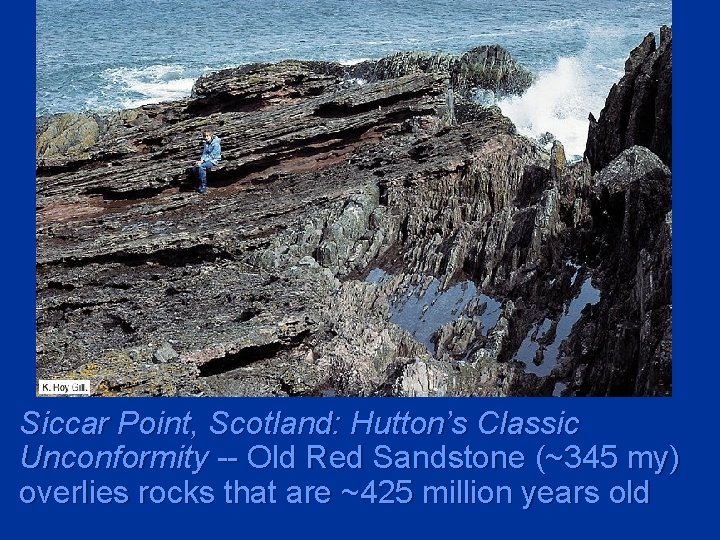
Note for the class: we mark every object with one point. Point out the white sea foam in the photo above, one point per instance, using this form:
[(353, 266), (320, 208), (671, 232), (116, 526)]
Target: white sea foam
[(151, 84), (559, 102), (352, 61)]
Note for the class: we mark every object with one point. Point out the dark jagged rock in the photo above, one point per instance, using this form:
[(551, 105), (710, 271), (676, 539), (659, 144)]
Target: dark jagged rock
[(491, 68), (355, 241), (486, 67), (638, 108), (626, 348)]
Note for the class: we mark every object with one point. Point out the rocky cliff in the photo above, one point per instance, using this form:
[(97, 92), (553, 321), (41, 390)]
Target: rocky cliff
[(359, 239), (638, 110)]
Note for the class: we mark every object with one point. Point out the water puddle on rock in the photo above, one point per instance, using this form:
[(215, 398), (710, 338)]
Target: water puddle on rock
[(424, 308), (559, 388), (532, 350)]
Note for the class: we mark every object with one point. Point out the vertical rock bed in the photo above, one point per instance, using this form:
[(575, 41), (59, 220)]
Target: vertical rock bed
[(371, 231)]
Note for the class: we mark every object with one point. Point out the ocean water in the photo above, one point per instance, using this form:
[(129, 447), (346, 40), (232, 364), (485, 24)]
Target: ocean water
[(111, 54)]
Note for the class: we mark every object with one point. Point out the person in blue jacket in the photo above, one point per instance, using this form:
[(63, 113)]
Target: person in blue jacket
[(210, 158)]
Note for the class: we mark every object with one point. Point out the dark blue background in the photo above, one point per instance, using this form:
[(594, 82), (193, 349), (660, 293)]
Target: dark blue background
[(680, 505)]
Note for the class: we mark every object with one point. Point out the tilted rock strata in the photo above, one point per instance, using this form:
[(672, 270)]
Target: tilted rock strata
[(626, 347), (638, 109), (259, 86), (487, 67), (269, 285)]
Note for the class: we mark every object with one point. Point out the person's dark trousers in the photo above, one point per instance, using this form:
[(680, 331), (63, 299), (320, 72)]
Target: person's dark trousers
[(201, 173)]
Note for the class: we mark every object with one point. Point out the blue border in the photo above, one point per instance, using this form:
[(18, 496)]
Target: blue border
[(680, 505)]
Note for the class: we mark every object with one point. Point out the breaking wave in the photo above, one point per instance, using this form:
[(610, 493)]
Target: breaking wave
[(151, 84), (559, 103)]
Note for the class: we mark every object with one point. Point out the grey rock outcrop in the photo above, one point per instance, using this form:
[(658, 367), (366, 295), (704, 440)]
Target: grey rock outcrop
[(487, 67)]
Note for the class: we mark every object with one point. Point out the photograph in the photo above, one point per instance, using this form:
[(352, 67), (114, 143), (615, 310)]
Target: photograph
[(379, 198)]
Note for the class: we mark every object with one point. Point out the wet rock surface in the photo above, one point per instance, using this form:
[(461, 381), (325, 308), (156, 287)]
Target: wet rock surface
[(358, 239)]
